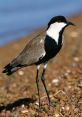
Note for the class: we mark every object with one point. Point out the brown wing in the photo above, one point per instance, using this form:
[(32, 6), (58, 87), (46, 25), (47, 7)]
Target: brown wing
[(31, 53)]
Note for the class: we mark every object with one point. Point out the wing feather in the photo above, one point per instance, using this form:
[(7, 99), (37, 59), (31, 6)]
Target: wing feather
[(32, 52)]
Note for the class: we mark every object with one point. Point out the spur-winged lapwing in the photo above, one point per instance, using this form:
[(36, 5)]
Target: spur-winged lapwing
[(40, 50)]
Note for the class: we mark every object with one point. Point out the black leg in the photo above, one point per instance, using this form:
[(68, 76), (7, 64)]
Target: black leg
[(37, 81), (43, 81)]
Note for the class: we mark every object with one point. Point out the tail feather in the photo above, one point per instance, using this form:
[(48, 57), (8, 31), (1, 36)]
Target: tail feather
[(13, 66), (9, 69)]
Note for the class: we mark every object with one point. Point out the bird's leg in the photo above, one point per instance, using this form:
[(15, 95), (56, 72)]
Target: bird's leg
[(37, 81), (43, 81)]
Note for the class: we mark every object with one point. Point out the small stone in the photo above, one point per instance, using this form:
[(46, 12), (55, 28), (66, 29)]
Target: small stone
[(21, 73), (51, 96), (66, 74), (37, 103), (56, 115), (68, 71), (76, 110), (67, 107), (56, 82), (80, 101), (24, 111), (13, 108), (23, 106), (80, 83), (69, 86), (63, 108), (76, 59)]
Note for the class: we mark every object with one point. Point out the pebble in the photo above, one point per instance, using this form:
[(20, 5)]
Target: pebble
[(80, 101), (63, 108), (21, 73), (56, 115), (76, 59), (80, 83), (56, 82), (68, 71), (24, 111), (67, 107), (69, 86), (37, 103), (23, 106), (74, 34), (76, 110), (66, 74)]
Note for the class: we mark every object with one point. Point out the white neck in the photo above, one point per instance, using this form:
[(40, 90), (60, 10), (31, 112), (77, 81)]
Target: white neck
[(54, 29)]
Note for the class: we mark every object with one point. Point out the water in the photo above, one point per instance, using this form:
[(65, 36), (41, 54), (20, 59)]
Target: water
[(20, 17)]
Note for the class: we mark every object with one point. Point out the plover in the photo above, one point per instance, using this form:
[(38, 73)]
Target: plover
[(40, 50)]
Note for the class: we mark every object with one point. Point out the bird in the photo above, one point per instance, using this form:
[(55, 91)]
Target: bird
[(40, 50)]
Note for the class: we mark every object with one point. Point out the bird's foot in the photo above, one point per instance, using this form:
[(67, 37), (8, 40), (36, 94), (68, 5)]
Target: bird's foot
[(50, 104)]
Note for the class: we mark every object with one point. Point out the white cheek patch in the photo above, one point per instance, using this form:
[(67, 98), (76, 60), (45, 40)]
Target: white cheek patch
[(54, 30)]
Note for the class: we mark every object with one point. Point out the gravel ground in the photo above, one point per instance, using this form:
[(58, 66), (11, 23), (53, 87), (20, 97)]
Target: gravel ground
[(18, 93)]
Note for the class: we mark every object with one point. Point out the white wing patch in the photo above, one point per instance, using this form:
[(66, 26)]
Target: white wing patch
[(54, 30), (41, 41), (42, 55)]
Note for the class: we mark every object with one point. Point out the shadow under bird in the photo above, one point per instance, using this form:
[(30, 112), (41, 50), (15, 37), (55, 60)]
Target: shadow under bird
[(40, 50)]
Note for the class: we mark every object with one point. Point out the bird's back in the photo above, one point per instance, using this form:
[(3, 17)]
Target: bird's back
[(33, 51)]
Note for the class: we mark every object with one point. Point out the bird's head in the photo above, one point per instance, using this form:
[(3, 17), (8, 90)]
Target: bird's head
[(59, 21), (57, 24)]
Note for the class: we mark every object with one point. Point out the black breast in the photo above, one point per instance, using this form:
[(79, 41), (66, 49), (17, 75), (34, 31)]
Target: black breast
[(51, 47)]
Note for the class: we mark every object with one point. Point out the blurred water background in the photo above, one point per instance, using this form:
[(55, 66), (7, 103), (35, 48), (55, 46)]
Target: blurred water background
[(20, 17)]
